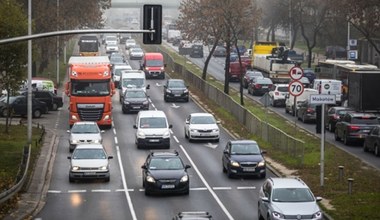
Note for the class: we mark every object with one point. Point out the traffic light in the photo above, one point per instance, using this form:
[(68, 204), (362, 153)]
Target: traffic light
[(152, 20)]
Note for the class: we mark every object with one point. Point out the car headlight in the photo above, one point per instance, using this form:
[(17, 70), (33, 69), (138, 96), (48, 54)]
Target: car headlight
[(277, 215), (261, 164), (162, 68), (73, 117), (103, 168), (193, 130), (74, 168), (150, 179), (234, 163), (166, 134), (317, 215), (145, 103), (97, 141), (126, 102), (73, 141), (186, 91), (140, 134), (184, 178), (168, 91), (215, 130)]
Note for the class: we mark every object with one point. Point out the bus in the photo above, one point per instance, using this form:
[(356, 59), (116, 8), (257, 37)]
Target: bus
[(89, 45)]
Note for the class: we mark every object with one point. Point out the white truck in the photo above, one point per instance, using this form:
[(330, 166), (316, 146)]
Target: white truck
[(330, 87), (173, 34)]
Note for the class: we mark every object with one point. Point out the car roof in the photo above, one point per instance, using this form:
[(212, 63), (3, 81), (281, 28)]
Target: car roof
[(89, 146), (151, 113), (243, 142), (282, 85), (133, 89), (164, 153), (201, 114), (288, 182), (85, 122), (181, 80)]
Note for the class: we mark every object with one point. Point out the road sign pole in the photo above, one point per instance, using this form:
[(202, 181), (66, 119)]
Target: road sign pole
[(322, 145), (295, 115)]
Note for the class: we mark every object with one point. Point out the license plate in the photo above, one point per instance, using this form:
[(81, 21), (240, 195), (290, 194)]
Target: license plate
[(154, 140), (366, 131), (265, 87), (177, 95), (136, 107), (167, 187), (88, 174), (248, 169)]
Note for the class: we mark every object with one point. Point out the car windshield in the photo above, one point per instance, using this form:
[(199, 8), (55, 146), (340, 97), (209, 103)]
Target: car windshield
[(85, 128), (133, 82), (111, 43), (80, 154), (282, 89), (264, 81), (154, 63), (245, 149), (168, 163), (136, 50), (119, 70), (117, 59), (292, 195), (202, 120), (250, 74), (153, 122), (365, 120), (135, 94), (176, 84)]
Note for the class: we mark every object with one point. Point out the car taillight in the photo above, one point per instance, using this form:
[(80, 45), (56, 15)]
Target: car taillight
[(276, 93), (353, 128), (257, 86), (269, 86), (336, 116), (310, 110)]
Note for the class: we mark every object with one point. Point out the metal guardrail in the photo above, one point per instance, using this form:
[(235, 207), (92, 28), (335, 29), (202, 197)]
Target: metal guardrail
[(23, 171)]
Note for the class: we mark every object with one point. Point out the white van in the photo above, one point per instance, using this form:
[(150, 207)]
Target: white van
[(152, 129), (289, 99), (329, 86), (131, 79)]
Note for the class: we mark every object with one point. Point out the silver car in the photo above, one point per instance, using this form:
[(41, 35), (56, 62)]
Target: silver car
[(287, 198), (84, 132), (201, 126), (89, 161)]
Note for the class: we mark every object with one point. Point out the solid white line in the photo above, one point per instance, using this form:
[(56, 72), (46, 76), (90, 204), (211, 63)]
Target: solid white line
[(115, 140), (133, 213), (54, 191), (246, 187), (77, 191), (100, 190), (206, 184), (175, 138), (221, 188)]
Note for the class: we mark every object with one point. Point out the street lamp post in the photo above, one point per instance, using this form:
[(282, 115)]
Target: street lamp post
[(57, 51)]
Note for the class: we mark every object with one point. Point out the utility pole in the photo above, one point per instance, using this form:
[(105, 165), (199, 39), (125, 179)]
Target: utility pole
[(57, 52), (29, 109)]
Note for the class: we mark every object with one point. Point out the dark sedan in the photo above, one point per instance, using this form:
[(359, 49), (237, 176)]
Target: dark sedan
[(18, 106), (306, 112), (243, 157), (372, 141), (175, 89), (165, 172), (260, 86), (333, 115), (249, 76), (135, 100), (220, 51)]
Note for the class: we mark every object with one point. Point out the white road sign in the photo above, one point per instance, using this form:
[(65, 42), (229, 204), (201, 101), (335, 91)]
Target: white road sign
[(296, 73), (322, 99), (296, 88)]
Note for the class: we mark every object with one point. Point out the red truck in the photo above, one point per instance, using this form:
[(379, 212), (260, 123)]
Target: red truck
[(237, 71)]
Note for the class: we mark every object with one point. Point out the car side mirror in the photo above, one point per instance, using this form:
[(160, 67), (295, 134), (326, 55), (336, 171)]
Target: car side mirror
[(265, 199), (165, 65), (263, 151), (110, 157), (225, 151), (68, 131), (143, 167), (187, 122), (102, 131), (218, 122), (69, 157), (148, 86), (170, 126), (318, 198), (187, 167), (134, 126)]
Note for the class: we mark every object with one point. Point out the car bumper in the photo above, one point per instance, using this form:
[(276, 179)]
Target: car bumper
[(89, 175), (248, 171), (158, 187), (154, 74), (204, 135), (153, 142), (136, 108), (280, 102), (172, 96)]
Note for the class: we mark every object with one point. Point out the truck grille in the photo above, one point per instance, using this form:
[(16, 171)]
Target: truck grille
[(90, 114)]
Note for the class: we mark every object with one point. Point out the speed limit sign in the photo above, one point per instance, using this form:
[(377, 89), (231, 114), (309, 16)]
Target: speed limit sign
[(296, 73), (296, 88)]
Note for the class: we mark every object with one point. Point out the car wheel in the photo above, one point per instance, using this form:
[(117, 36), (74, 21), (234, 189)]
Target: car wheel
[(107, 179), (4, 113), (224, 169), (377, 151), (286, 110), (187, 100), (37, 113), (336, 136), (263, 175), (229, 173), (55, 107), (147, 192), (346, 139), (165, 99), (71, 180), (365, 147), (330, 127), (186, 135), (259, 213), (304, 119), (187, 191)]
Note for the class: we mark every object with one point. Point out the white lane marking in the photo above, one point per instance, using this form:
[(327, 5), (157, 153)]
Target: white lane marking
[(221, 188), (198, 189), (54, 191), (213, 146), (175, 138), (115, 140), (246, 187), (123, 190), (175, 106), (206, 184), (114, 131), (101, 190), (153, 106), (77, 191), (133, 213)]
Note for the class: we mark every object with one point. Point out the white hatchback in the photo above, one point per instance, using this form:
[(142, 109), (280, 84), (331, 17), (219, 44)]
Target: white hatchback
[(277, 94), (201, 126), (84, 132)]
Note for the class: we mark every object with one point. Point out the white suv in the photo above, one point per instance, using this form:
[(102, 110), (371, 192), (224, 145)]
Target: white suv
[(287, 198), (153, 129), (277, 94)]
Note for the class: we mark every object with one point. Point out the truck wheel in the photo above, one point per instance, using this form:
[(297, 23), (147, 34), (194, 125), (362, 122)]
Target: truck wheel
[(365, 148), (346, 140), (377, 151)]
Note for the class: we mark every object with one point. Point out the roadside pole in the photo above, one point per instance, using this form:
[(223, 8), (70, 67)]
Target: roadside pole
[(296, 89)]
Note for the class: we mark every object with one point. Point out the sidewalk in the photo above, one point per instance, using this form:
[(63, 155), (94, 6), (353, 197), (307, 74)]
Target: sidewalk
[(33, 200)]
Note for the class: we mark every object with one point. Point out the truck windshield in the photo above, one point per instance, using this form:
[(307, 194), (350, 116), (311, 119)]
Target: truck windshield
[(83, 88), (133, 82), (154, 63)]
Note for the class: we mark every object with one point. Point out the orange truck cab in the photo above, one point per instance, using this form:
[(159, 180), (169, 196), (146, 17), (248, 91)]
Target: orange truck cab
[(153, 65), (237, 71), (90, 90)]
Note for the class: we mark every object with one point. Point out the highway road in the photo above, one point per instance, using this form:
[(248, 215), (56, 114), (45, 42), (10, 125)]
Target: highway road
[(123, 197), (216, 69)]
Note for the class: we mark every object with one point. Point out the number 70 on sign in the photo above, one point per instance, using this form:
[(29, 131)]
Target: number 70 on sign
[(296, 88)]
